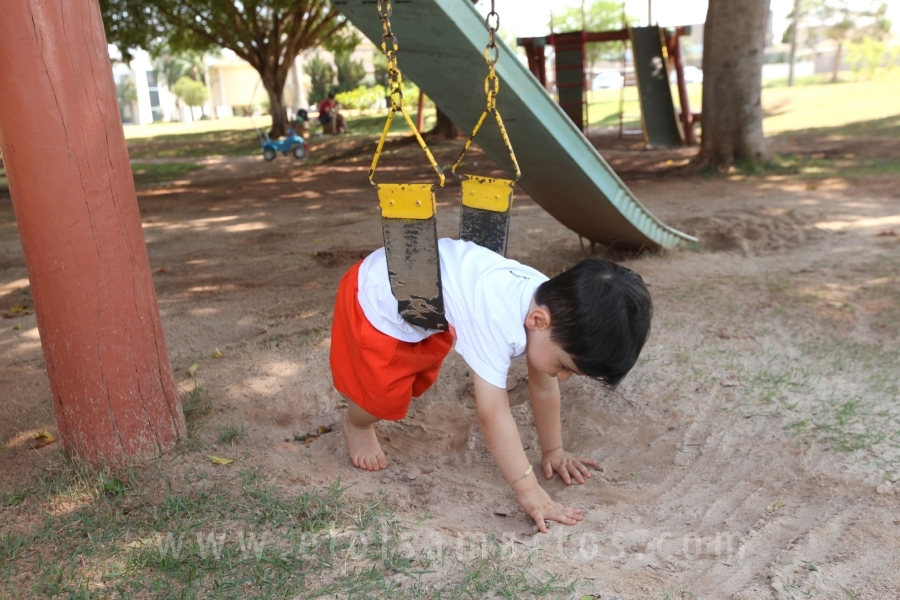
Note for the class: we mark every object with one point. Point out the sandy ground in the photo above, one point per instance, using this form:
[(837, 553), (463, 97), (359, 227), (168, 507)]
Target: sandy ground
[(749, 454)]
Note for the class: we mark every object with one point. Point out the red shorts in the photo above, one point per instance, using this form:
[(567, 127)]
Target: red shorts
[(380, 373)]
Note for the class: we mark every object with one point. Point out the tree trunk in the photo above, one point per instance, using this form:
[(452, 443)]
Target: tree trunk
[(795, 23), (837, 62), (444, 128), (73, 196), (734, 36), (275, 90)]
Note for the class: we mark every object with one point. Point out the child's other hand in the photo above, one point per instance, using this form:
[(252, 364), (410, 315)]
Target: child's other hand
[(541, 507), (566, 465)]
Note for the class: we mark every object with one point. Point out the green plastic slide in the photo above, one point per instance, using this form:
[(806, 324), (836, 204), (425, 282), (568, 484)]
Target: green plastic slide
[(657, 106), (441, 46)]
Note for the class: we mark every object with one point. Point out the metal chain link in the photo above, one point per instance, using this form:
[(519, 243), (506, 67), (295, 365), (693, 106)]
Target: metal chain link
[(491, 56), (390, 46)]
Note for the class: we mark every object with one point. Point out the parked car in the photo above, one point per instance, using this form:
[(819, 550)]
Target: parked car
[(608, 79), (691, 75)]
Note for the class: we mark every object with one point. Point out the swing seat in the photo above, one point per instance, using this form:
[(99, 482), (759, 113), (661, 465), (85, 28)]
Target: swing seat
[(410, 243), (484, 214)]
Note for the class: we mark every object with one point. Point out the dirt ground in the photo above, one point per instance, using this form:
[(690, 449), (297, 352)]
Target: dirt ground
[(751, 453)]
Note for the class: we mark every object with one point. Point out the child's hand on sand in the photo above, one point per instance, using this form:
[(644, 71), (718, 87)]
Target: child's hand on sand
[(541, 507), (566, 465)]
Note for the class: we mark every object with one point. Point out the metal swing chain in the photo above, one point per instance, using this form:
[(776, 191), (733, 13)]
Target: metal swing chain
[(390, 46), (491, 89), (491, 56)]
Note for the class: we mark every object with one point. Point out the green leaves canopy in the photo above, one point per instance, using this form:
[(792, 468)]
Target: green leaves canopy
[(268, 34), (258, 31)]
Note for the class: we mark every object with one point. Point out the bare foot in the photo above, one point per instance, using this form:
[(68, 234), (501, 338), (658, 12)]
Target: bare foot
[(365, 452)]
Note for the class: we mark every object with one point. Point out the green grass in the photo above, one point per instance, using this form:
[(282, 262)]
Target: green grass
[(816, 168), (845, 108), (230, 434), (373, 124), (603, 106), (159, 172), (237, 136), (192, 144), (233, 534), (814, 106)]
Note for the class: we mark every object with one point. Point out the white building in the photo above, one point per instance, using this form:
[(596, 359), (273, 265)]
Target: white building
[(234, 86)]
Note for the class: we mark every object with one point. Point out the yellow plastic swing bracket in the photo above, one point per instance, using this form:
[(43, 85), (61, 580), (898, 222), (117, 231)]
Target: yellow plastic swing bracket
[(406, 200), (487, 193)]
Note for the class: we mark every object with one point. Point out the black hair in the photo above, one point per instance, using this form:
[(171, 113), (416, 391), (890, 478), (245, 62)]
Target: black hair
[(599, 315)]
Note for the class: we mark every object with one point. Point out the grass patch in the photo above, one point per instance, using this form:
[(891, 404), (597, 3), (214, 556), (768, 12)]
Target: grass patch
[(237, 136), (159, 172), (221, 137), (845, 108), (820, 167), (241, 537), (814, 167), (231, 434), (814, 106), (373, 124), (604, 106)]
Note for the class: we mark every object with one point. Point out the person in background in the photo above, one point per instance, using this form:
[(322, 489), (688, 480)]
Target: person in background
[(330, 117)]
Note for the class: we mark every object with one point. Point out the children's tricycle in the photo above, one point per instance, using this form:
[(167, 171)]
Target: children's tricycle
[(292, 143)]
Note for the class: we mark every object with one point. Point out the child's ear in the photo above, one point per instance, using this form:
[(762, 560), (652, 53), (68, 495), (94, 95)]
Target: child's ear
[(538, 318)]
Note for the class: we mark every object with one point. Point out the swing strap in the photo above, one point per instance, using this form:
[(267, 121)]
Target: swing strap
[(485, 201), (408, 214)]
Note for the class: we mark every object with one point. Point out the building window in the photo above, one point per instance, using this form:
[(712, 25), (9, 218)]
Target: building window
[(153, 90)]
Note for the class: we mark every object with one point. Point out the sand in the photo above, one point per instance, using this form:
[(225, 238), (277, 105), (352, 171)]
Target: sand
[(747, 455)]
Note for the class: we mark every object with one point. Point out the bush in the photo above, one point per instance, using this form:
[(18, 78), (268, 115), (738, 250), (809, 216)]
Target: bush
[(375, 97), (363, 97), (191, 92)]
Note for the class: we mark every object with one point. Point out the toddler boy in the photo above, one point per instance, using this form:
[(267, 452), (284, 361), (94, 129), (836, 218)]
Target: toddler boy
[(591, 320)]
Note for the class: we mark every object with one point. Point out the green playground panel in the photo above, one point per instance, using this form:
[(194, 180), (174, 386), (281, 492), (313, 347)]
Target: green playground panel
[(661, 124), (441, 50)]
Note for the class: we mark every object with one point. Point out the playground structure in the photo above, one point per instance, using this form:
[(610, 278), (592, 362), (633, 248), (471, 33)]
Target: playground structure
[(443, 42), (656, 51), (112, 383)]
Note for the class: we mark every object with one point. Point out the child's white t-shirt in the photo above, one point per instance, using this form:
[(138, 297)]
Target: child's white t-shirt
[(486, 300)]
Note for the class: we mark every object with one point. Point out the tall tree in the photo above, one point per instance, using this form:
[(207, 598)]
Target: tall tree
[(734, 36), (321, 77), (268, 34), (792, 32), (850, 20), (175, 66), (190, 91), (350, 73)]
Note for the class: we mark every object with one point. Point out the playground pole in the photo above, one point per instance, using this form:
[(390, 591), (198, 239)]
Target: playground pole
[(74, 200)]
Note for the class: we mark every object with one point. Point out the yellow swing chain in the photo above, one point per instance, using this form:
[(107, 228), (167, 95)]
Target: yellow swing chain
[(491, 89), (389, 47)]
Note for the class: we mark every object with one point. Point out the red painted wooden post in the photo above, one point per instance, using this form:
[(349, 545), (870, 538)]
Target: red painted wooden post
[(74, 200)]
